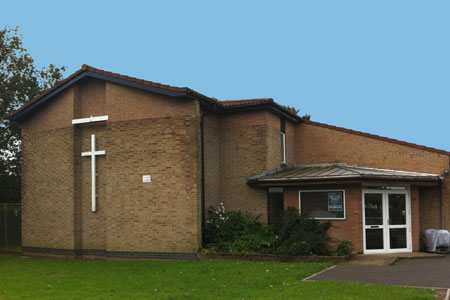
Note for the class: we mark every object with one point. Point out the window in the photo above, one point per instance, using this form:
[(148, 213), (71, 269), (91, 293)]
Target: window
[(275, 204), (283, 147), (323, 205), (283, 140)]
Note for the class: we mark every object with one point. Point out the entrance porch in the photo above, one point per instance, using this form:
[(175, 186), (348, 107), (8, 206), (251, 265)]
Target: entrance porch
[(381, 211)]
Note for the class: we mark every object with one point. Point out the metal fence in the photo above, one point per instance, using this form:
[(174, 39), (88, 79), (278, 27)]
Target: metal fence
[(10, 225)]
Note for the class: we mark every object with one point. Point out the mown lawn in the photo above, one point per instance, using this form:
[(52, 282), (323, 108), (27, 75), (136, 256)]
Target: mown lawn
[(32, 278)]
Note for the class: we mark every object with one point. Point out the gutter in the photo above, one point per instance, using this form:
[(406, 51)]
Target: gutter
[(272, 106), (253, 180)]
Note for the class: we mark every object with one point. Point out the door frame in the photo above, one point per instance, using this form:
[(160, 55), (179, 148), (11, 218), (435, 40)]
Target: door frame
[(385, 226)]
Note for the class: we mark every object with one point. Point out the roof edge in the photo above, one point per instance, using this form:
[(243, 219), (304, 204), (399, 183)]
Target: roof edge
[(406, 174), (87, 71), (271, 105)]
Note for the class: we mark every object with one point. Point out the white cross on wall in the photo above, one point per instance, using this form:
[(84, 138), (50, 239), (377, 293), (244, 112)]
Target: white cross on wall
[(92, 154)]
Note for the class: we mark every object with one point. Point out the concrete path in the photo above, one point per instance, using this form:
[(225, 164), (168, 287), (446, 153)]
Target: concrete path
[(389, 259), (420, 272)]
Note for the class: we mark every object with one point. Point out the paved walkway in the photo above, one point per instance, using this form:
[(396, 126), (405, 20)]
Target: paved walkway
[(389, 259), (418, 272)]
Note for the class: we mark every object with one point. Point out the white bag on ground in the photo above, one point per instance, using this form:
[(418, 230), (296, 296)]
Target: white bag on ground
[(443, 241), (430, 237)]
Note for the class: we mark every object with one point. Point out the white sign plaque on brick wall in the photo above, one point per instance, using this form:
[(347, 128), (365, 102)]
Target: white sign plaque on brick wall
[(146, 178)]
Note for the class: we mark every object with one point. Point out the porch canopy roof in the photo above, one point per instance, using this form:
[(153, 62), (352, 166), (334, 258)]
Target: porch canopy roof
[(339, 173)]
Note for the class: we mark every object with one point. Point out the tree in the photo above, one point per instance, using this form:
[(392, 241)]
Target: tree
[(20, 81), (294, 110)]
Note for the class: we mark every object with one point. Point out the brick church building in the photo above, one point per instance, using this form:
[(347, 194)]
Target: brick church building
[(115, 166)]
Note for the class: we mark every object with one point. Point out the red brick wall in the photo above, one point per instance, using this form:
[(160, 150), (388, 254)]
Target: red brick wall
[(430, 208), (416, 215), (352, 227), (348, 229)]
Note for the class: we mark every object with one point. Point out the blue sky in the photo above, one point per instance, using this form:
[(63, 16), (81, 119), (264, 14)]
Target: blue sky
[(381, 67)]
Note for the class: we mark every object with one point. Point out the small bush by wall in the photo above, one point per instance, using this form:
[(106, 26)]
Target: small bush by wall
[(237, 232), (345, 248), (300, 235)]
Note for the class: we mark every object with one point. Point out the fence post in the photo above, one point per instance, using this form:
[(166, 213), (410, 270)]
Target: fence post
[(5, 213)]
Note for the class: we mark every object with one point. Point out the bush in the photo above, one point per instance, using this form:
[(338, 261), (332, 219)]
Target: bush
[(345, 248), (297, 234), (237, 232), (300, 248)]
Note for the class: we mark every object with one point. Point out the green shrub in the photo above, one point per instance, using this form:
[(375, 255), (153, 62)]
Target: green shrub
[(298, 234), (300, 248), (345, 248), (237, 232)]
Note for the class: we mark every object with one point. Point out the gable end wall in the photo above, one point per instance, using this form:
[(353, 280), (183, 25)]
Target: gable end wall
[(145, 134)]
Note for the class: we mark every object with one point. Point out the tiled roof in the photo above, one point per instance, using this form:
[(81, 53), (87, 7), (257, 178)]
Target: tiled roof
[(377, 137), (229, 103), (151, 83), (338, 171), (225, 106), (46, 92), (98, 71)]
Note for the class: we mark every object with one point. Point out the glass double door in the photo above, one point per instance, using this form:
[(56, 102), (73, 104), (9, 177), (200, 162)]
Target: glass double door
[(387, 221)]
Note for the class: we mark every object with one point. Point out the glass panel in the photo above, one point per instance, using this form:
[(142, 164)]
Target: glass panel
[(397, 209), (329, 204), (283, 147), (373, 206), (397, 237), (374, 239), (275, 190), (276, 203)]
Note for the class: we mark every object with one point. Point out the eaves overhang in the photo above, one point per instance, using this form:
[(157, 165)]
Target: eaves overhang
[(339, 173), (207, 103), (26, 110), (271, 106)]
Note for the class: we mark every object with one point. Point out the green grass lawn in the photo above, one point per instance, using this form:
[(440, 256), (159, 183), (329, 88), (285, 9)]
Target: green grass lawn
[(32, 278)]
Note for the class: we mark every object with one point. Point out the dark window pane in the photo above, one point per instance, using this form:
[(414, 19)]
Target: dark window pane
[(329, 204), (276, 204), (397, 209), (397, 237), (373, 208), (374, 239)]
